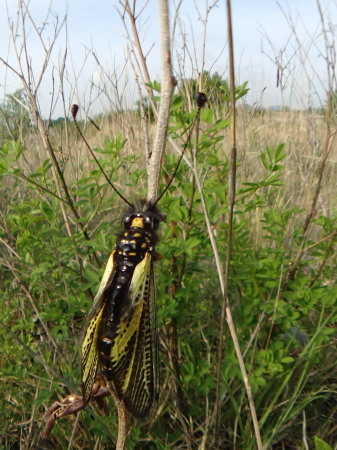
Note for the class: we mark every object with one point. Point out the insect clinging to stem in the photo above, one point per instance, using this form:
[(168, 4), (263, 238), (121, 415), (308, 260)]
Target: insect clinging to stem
[(121, 336)]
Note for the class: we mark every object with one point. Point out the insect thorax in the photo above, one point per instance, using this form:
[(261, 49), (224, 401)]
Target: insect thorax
[(139, 236)]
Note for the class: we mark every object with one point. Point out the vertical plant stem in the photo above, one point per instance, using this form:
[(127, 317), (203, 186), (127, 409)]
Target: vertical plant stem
[(73, 432), (173, 346), (132, 18), (140, 61), (123, 425), (231, 200), (225, 309), (124, 420), (167, 86), (142, 111)]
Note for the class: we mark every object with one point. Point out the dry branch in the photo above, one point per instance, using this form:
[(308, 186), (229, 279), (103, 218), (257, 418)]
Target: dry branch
[(167, 86)]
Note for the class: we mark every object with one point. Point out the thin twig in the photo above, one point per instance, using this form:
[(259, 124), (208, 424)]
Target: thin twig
[(133, 19), (225, 309), (124, 419), (142, 111)]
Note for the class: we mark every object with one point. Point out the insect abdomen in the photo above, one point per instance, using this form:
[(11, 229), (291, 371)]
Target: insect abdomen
[(122, 332)]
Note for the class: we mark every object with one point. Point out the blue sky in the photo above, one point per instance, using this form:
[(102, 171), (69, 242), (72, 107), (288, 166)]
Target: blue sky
[(263, 40)]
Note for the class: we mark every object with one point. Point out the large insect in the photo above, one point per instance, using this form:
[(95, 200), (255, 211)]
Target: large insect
[(121, 336)]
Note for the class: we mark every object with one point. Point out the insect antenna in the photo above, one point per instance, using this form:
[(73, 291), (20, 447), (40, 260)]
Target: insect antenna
[(74, 110), (94, 124), (201, 99)]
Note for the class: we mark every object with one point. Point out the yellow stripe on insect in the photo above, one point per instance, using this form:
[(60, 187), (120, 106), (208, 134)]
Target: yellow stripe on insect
[(138, 222), (107, 276), (126, 329), (138, 280), (89, 352), (125, 332)]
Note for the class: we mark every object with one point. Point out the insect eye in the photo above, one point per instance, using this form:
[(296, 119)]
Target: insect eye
[(148, 222), (127, 221)]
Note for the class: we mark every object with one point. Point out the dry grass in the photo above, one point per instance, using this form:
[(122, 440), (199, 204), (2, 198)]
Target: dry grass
[(302, 132)]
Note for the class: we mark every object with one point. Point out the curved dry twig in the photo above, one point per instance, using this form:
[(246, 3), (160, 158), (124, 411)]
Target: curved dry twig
[(74, 403)]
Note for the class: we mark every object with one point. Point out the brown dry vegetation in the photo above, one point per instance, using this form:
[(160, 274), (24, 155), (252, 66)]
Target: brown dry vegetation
[(302, 132)]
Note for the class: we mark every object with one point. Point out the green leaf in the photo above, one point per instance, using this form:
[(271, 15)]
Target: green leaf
[(280, 153), (206, 115), (287, 360), (155, 85), (92, 275), (177, 101), (220, 125), (320, 444)]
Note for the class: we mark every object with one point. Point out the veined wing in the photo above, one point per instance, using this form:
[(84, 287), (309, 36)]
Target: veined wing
[(90, 356), (134, 350)]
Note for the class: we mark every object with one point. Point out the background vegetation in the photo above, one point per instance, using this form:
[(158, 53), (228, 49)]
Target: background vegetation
[(58, 224)]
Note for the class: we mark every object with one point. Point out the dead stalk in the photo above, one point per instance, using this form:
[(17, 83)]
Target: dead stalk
[(225, 309), (167, 87), (133, 18), (143, 113)]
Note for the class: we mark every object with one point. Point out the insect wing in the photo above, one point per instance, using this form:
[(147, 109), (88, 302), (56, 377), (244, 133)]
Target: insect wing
[(90, 357), (134, 352)]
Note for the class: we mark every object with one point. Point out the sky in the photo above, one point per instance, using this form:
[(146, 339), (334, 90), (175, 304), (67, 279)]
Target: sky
[(273, 40)]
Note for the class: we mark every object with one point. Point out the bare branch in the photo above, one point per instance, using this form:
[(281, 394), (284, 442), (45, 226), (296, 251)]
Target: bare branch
[(167, 87)]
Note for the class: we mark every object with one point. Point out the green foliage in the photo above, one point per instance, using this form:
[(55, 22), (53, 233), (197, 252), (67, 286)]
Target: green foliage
[(218, 95), (321, 445), (14, 116), (286, 327), (217, 88), (145, 106)]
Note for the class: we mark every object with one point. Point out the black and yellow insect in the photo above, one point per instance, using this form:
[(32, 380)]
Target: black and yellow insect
[(121, 336), (122, 333)]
